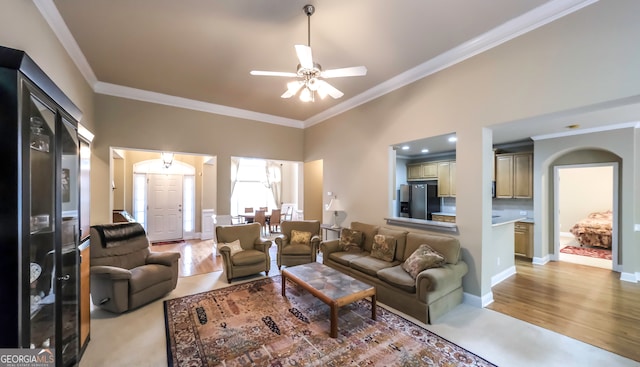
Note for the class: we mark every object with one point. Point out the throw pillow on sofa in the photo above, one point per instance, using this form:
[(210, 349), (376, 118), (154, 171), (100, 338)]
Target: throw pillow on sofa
[(234, 247), (350, 240), (300, 237), (384, 247), (424, 257)]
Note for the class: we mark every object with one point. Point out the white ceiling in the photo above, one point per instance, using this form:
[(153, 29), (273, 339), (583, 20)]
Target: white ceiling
[(198, 53)]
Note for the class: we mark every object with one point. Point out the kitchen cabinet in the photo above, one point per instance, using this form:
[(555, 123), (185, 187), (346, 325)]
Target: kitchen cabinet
[(447, 179), (422, 171), (443, 218), (514, 176), (40, 211), (523, 239)]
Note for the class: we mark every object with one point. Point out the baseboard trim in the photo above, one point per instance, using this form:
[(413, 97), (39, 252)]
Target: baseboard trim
[(498, 278), (540, 260), (475, 301), (630, 277)]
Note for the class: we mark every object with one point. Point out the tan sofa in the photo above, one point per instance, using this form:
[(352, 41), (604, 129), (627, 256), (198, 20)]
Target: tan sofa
[(125, 274), (430, 295)]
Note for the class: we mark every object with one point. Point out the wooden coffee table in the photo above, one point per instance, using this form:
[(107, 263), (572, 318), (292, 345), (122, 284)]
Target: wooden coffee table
[(331, 287)]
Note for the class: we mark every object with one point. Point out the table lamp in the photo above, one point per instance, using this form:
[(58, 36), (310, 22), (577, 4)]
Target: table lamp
[(334, 206)]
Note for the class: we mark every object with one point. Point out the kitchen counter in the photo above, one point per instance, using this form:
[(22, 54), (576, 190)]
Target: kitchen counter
[(448, 214), (422, 224), (500, 220), (528, 220)]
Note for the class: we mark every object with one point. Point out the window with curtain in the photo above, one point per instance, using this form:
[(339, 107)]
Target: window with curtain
[(257, 184), (140, 198), (188, 198)]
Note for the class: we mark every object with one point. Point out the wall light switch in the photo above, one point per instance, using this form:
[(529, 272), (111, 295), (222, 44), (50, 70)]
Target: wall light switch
[(330, 193), (636, 228), (523, 212)]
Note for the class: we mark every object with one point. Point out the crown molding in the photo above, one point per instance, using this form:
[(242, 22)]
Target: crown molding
[(51, 14), (598, 129), (168, 100), (513, 28)]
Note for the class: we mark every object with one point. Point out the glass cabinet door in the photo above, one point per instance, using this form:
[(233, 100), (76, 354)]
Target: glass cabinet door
[(41, 175), (69, 259)]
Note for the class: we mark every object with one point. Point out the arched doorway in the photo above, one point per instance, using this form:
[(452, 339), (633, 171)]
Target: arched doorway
[(589, 222)]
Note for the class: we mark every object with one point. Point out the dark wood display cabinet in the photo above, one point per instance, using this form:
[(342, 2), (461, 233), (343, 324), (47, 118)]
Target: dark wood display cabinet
[(39, 211)]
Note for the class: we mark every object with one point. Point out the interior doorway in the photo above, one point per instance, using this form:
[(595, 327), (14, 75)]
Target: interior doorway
[(586, 214), (130, 178), (164, 213)]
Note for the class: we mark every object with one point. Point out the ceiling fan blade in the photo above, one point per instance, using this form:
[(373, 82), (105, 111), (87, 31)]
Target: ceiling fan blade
[(272, 73), (305, 56), (292, 89), (351, 71), (325, 89)]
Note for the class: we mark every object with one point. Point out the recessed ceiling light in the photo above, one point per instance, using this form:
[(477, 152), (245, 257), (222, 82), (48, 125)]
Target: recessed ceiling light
[(405, 147), (453, 139), (425, 150)]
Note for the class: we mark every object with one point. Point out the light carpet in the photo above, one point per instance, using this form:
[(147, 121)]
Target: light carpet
[(251, 324)]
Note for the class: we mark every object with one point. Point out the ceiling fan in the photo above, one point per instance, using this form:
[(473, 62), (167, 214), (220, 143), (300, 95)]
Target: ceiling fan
[(310, 74)]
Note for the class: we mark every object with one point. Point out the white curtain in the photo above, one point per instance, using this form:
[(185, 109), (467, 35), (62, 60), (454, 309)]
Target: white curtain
[(274, 179), (235, 166)]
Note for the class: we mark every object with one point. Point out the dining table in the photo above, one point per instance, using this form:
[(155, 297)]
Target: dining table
[(249, 217)]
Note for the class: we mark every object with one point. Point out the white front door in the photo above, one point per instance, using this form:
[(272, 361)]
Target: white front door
[(164, 207)]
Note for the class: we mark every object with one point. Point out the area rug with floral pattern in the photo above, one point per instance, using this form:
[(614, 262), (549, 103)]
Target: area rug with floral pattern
[(252, 324), (598, 253)]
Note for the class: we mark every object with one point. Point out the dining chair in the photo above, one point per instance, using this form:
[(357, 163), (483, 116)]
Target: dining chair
[(274, 221), (247, 211), (261, 218), (288, 215)]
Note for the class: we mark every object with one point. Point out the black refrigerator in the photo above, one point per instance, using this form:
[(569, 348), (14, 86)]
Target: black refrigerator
[(418, 201)]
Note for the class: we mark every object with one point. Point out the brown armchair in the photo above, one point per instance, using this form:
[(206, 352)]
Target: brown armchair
[(289, 253), (254, 257), (125, 274)]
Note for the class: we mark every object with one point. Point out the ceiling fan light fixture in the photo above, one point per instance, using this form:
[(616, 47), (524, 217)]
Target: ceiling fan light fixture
[(310, 74), (306, 95), (313, 84), (322, 91)]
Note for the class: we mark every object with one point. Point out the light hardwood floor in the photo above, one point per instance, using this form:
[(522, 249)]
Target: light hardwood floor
[(585, 303), (196, 256)]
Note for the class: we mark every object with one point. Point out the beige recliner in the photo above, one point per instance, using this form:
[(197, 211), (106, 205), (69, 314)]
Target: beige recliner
[(125, 274), (254, 257), (290, 253)]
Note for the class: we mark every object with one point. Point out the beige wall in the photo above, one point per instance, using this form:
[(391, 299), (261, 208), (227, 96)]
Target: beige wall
[(574, 63), (313, 190), (209, 184), (140, 125), (119, 181), (583, 190)]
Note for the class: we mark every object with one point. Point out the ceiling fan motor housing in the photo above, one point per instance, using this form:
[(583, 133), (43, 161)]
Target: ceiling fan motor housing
[(309, 10)]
